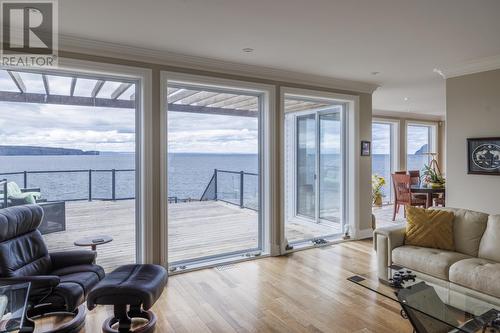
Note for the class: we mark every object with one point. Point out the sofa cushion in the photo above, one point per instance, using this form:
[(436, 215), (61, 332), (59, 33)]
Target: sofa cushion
[(429, 228), (489, 248), (426, 260), (468, 229), (476, 273)]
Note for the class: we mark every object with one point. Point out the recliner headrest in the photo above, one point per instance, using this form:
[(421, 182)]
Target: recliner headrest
[(19, 220)]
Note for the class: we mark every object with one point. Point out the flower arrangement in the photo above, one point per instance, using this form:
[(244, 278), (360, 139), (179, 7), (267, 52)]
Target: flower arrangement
[(377, 183), (432, 177)]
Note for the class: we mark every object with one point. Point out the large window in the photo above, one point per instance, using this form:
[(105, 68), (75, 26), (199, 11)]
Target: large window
[(314, 168), (214, 166), (420, 142), (384, 153), (68, 143)]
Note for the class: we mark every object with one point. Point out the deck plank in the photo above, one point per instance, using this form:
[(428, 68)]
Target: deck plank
[(196, 229)]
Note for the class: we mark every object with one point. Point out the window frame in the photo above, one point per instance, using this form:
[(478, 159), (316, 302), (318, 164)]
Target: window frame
[(266, 160)]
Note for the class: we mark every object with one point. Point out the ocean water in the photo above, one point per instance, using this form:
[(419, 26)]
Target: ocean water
[(189, 174)]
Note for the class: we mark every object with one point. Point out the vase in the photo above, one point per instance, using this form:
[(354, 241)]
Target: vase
[(377, 202)]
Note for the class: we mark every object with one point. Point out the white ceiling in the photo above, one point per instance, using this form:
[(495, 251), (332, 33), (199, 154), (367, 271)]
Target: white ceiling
[(404, 40)]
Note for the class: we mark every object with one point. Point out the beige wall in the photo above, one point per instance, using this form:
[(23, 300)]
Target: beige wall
[(472, 110), (363, 200)]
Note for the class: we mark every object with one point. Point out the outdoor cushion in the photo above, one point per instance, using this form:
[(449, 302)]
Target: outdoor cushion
[(476, 273), (14, 192), (426, 260), (489, 248)]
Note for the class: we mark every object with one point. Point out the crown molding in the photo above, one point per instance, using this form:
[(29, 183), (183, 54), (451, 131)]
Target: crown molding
[(157, 57), (471, 67), (407, 115)]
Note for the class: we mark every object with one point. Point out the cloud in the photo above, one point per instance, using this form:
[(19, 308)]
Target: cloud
[(88, 128), (110, 129)]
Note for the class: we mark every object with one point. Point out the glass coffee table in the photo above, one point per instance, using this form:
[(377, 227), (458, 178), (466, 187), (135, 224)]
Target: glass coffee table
[(13, 301), (433, 308)]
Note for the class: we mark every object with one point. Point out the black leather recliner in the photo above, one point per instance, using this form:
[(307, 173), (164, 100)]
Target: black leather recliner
[(60, 281)]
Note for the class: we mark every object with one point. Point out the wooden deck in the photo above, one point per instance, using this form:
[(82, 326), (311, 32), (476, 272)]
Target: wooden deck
[(196, 229)]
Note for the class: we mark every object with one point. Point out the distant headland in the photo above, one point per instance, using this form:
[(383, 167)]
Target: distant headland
[(33, 150)]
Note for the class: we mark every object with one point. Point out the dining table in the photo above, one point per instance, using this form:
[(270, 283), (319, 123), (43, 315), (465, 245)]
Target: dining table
[(428, 191)]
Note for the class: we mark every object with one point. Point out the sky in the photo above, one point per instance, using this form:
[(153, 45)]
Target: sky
[(381, 138), (110, 129), (113, 129)]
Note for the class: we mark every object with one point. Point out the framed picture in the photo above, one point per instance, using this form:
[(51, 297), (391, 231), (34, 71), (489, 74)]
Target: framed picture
[(365, 148), (483, 156)]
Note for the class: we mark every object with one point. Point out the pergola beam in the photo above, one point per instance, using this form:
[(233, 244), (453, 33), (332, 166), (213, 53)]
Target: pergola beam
[(46, 84), (211, 110), (97, 88), (120, 90), (18, 81), (8, 96), (181, 94)]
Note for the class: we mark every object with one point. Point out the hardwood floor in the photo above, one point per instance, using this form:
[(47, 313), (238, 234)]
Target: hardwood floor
[(306, 291)]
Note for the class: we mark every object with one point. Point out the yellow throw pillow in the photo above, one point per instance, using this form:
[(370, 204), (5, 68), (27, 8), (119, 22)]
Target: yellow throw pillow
[(429, 228)]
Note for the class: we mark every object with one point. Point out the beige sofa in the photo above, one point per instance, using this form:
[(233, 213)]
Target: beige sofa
[(473, 269)]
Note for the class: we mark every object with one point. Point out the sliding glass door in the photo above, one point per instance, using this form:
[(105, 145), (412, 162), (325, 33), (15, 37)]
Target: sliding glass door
[(330, 166), (306, 165), (314, 169)]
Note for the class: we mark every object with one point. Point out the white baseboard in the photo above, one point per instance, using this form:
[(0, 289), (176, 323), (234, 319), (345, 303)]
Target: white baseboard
[(363, 234)]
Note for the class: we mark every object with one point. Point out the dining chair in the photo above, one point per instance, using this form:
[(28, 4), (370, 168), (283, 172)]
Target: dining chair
[(440, 200), (403, 196), (414, 177), (415, 180)]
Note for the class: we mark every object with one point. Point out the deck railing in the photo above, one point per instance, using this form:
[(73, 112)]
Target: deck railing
[(234, 187), (240, 189), (89, 174)]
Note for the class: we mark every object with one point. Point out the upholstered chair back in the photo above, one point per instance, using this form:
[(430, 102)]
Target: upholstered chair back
[(22, 249)]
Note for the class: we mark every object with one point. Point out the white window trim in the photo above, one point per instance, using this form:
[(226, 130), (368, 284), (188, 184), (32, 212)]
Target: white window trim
[(144, 155), (351, 212), (268, 161)]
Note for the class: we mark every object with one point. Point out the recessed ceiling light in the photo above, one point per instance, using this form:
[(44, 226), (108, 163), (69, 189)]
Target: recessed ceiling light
[(247, 50), (375, 73), (406, 99)]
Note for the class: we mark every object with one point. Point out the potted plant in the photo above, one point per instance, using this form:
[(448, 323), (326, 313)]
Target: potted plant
[(432, 177), (377, 183)]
